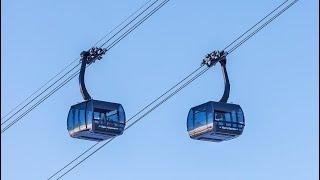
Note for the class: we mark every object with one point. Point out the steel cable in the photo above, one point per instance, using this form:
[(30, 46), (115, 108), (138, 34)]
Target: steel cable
[(46, 83), (255, 24), (262, 26), (137, 24)]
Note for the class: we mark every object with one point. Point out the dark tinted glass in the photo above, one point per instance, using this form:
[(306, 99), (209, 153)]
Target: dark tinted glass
[(209, 117), (219, 117), (112, 116), (89, 117), (190, 121), (227, 116), (122, 117), (199, 119), (76, 118), (240, 116), (82, 117), (70, 119), (234, 116), (96, 115)]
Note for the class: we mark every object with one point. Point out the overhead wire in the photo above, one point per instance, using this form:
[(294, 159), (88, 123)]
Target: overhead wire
[(184, 85), (46, 83), (255, 25), (103, 44), (113, 43), (8, 126), (262, 26), (40, 101), (126, 19), (137, 24)]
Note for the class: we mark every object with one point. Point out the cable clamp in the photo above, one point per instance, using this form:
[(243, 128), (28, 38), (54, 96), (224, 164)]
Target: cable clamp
[(214, 57), (92, 54)]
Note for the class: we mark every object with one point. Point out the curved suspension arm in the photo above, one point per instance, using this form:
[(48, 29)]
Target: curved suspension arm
[(88, 57), (226, 92), (83, 89)]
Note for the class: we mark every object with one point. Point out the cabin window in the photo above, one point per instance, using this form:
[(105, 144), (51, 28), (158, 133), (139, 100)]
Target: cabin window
[(121, 115), (70, 120), (96, 115), (112, 116), (199, 119), (224, 118), (234, 116), (227, 117), (240, 116), (88, 113), (219, 117), (209, 117), (190, 121), (82, 117), (76, 118), (89, 117), (234, 119)]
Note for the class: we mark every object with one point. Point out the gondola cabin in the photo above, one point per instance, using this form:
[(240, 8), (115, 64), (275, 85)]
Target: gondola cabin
[(215, 121), (96, 120)]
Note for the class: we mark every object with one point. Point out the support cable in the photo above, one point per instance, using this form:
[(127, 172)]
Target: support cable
[(255, 24), (40, 94), (136, 25), (262, 26), (46, 83)]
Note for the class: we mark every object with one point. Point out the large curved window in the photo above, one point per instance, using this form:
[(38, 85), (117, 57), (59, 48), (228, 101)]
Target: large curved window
[(223, 118), (76, 118), (70, 120), (219, 117), (190, 121), (96, 115), (209, 117), (89, 116), (112, 116), (234, 119), (240, 118), (122, 116), (199, 119), (82, 118), (228, 119)]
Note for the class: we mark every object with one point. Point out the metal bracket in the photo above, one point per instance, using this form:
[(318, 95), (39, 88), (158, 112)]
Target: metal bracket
[(214, 57), (92, 54)]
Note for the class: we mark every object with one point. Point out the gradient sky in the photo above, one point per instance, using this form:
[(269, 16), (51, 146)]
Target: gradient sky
[(274, 77)]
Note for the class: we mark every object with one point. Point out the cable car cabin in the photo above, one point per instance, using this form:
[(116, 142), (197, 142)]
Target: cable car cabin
[(96, 120), (215, 121)]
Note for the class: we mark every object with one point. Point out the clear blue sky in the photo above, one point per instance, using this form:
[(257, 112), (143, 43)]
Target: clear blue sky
[(274, 77)]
